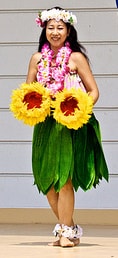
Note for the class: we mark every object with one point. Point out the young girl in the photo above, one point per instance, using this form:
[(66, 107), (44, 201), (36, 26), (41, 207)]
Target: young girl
[(64, 159)]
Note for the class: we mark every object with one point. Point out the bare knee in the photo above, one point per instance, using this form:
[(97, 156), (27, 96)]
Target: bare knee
[(67, 187), (52, 196)]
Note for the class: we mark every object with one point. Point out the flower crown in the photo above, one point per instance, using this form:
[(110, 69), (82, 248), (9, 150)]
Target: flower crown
[(56, 14)]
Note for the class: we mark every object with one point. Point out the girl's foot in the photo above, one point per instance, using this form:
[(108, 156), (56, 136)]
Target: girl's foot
[(65, 242), (76, 241), (56, 243)]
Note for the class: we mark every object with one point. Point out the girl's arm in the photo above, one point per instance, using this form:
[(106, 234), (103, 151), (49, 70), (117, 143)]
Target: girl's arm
[(86, 75), (33, 68)]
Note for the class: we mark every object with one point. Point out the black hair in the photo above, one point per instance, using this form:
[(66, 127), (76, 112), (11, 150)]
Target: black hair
[(75, 45)]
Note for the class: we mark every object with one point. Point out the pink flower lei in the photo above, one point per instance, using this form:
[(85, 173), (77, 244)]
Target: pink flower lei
[(53, 77)]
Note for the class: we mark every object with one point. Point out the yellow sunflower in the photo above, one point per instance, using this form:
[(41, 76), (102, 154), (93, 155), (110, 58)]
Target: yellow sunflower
[(30, 103), (72, 108)]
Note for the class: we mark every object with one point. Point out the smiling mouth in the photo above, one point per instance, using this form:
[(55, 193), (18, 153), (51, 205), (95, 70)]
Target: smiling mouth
[(54, 38)]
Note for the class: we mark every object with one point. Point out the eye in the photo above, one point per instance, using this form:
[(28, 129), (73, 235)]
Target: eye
[(60, 28)]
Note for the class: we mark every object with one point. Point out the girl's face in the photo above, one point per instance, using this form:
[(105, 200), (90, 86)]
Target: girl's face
[(56, 33)]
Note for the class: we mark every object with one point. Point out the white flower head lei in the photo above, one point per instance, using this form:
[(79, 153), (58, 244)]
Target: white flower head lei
[(56, 14)]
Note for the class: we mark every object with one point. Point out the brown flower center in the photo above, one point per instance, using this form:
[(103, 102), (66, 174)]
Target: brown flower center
[(33, 99), (68, 106)]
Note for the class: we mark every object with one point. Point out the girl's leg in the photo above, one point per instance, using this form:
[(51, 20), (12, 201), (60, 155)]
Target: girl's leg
[(66, 204), (62, 204), (52, 197), (66, 209)]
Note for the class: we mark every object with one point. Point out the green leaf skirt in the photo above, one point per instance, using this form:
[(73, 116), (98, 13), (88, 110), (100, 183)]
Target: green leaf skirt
[(59, 153)]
